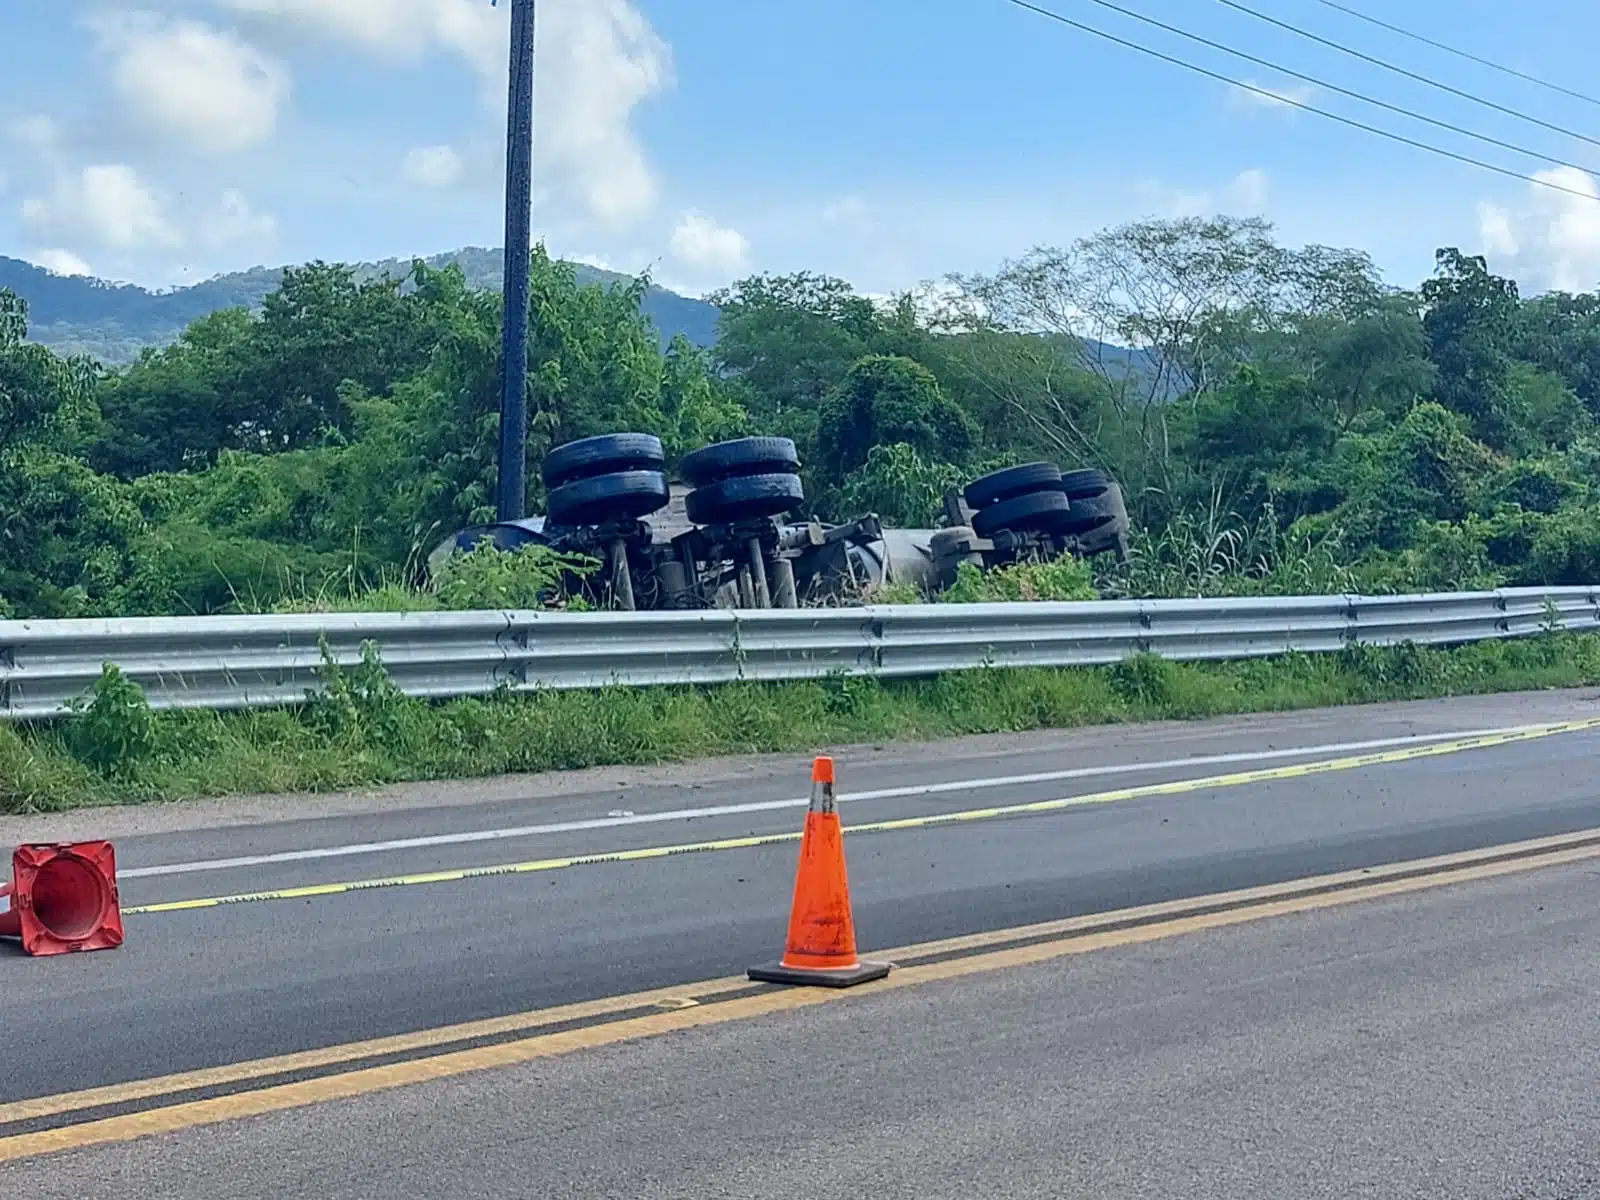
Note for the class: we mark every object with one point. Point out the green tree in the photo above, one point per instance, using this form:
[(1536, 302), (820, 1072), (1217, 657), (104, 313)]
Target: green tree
[(1372, 359), (789, 339), (1380, 485), (179, 408), (899, 485), (1267, 427), (45, 400), (1560, 333), (67, 535), (887, 399), (274, 382), (422, 458), (1158, 311), (1469, 322), (1031, 397)]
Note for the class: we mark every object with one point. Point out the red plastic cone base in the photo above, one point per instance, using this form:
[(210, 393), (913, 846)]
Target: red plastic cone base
[(64, 899)]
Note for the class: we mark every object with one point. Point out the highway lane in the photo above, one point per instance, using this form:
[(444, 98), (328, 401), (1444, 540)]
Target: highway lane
[(213, 829), (195, 989), (1441, 1043)]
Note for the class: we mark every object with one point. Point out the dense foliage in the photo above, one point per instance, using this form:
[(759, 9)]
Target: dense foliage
[(1281, 419)]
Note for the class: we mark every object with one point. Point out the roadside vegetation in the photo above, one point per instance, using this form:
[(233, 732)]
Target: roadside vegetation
[(362, 731), (1281, 420)]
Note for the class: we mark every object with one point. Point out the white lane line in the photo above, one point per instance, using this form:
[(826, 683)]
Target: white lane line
[(731, 810)]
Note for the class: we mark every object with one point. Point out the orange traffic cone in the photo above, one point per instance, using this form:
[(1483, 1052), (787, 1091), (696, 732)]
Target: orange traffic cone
[(63, 898), (821, 949)]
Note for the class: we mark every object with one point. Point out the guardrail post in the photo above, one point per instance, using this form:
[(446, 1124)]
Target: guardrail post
[(508, 672), (1503, 625), (877, 634)]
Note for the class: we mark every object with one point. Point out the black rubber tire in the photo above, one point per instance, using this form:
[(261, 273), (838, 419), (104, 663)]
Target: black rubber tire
[(741, 458), (1082, 525), (744, 498), (1104, 516), (1012, 481), (621, 496), (1029, 511), (608, 454), (1080, 485)]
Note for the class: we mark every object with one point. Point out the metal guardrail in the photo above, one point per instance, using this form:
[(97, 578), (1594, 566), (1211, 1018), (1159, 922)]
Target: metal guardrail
[(256, 661)]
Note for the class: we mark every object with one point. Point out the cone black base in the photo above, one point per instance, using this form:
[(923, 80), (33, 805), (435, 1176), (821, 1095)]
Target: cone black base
[(864, 972)]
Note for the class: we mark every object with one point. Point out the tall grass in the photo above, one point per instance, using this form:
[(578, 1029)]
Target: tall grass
[(483, 578), (1211, 552)]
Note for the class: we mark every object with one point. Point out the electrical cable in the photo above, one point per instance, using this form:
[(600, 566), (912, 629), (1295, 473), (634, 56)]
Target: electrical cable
[(1389, 66), (1336, 88), (1459, 53), (1388, 134)]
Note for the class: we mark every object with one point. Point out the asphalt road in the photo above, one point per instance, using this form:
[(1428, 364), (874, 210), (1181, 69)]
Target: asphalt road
[(200, 988), (1440, 1045)]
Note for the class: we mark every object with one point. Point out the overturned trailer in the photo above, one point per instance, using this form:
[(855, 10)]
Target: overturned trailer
[(724, 538)]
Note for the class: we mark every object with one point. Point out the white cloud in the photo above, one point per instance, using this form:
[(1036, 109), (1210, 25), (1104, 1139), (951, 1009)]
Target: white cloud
[(1280, 99), (112, 207), (108, 205), (1552, 242), (702, 245), (60, 262), (1245, 193), (184, 79), (1248, 189), (1495, 230), (598, 60), (598, 261), (432, 166), (848, 210), (400, 30), (233, 221), (1176, 203)]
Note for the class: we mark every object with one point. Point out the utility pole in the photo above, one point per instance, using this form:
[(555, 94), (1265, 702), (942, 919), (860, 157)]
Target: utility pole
[(519, 246)]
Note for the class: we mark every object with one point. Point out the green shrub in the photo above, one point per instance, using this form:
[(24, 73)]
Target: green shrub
[(1061, 579), (487, 577), (113, 728), (1143, 679), (360, 705)]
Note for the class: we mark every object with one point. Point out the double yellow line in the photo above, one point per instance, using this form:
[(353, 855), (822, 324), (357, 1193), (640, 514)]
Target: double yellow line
[(1175, 787), (176, 1102)]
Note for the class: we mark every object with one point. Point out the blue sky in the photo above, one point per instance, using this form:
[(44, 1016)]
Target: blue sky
[(888, 141)]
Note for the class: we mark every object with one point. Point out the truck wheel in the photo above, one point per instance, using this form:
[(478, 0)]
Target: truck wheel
[(607, 454)]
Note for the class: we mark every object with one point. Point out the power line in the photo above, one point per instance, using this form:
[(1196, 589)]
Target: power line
[(1459, 53), (1389, 66), (1343, 91), (1303, 106)]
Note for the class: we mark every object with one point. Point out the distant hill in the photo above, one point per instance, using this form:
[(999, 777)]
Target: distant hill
[(113, 322)]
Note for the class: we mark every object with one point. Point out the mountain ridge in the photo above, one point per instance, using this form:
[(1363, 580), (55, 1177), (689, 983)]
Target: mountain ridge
[(113, 322)]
